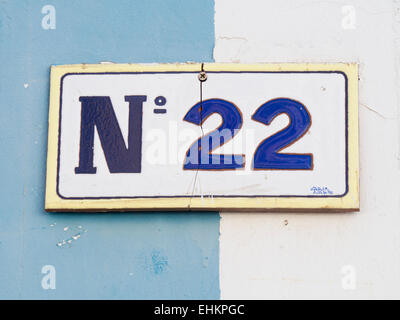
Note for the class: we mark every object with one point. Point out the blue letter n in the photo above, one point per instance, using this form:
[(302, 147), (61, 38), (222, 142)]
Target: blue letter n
[(99, 112)]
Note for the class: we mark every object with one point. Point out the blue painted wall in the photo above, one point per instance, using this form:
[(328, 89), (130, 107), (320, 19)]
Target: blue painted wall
[(119, 255)]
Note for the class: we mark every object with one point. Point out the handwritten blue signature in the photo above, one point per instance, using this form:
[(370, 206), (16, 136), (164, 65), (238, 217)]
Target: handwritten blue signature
[(321, 191)]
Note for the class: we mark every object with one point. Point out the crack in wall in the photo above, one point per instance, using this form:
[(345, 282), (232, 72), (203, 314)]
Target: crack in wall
[(376, 112)]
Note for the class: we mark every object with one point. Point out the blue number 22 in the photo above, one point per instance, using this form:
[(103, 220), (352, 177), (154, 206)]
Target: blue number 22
[(266, 156)]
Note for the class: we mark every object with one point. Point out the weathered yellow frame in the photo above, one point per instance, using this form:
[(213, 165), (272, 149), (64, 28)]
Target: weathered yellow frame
[(349, 202)]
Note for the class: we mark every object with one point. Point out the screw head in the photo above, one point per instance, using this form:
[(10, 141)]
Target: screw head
[(202, 76)]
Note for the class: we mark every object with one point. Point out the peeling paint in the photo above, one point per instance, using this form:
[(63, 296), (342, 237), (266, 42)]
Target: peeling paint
[(76, 233)]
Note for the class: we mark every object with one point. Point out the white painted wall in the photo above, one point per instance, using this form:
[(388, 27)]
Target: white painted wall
[(319, 255)]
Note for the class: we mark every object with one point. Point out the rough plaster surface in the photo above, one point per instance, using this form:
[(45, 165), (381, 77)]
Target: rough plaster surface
[(307, 255)]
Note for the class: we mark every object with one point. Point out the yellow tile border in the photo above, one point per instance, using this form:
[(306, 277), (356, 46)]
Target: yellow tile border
[(349, 202)]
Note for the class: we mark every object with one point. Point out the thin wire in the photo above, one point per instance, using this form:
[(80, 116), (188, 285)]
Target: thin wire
[(201, 127)]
